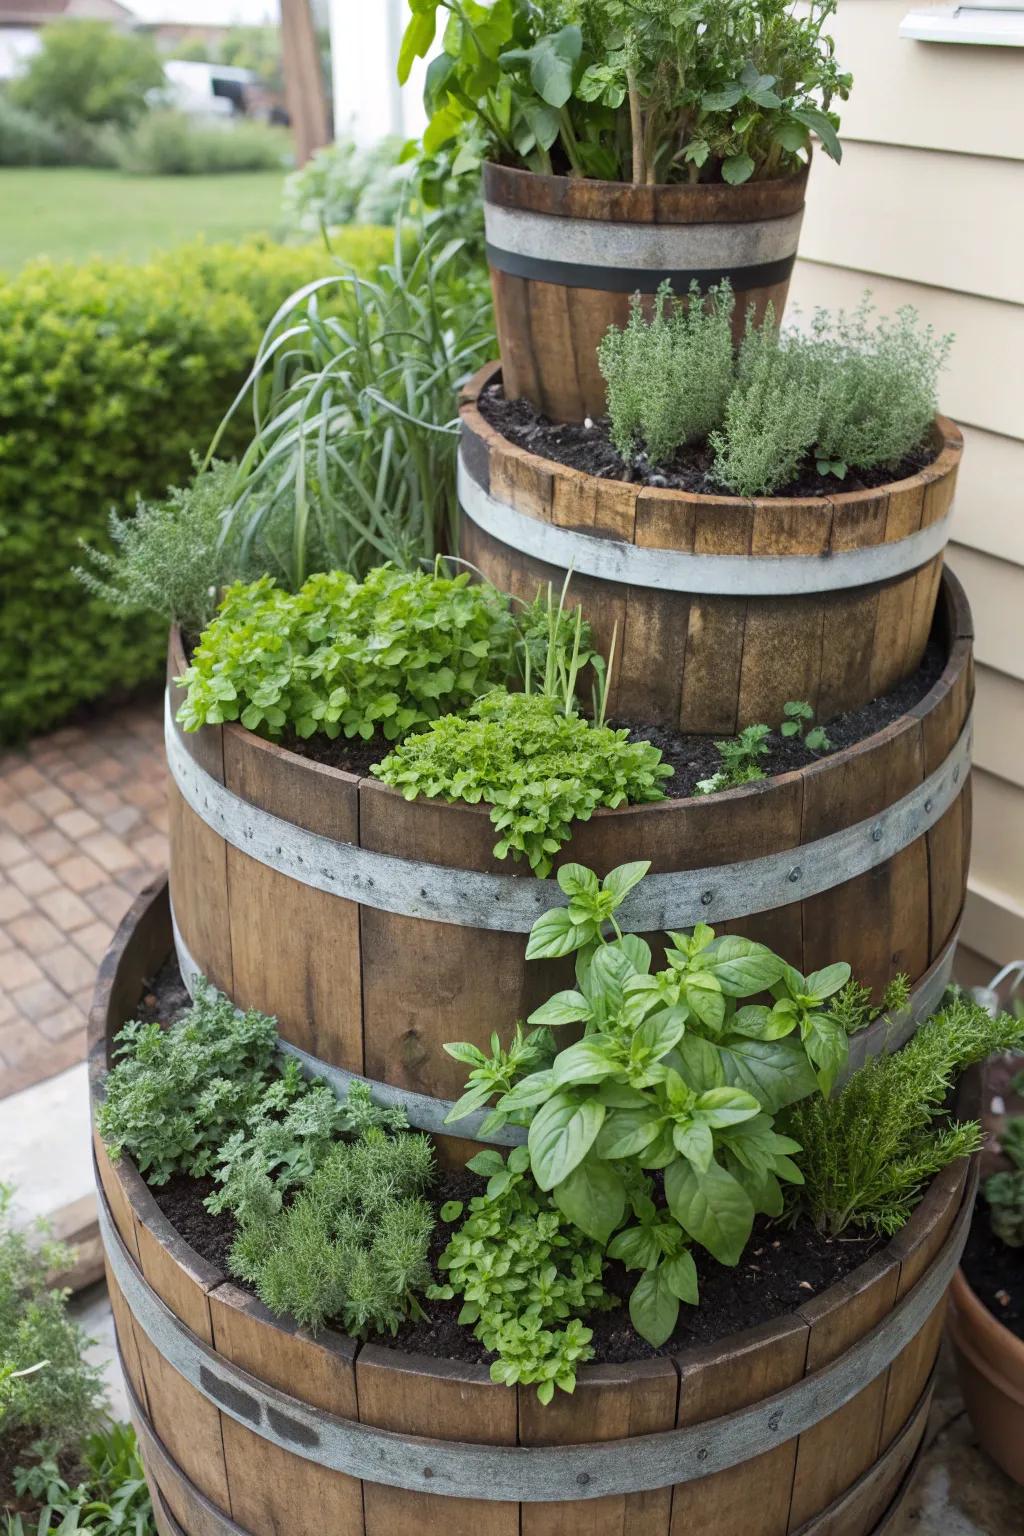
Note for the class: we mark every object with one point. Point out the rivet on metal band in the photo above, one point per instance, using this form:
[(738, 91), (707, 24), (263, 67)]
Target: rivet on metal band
[(672, 570)]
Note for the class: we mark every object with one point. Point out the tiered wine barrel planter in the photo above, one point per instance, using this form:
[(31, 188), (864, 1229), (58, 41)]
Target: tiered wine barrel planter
[(376, 929), (566, 253), (807, 1424), (723, 608)]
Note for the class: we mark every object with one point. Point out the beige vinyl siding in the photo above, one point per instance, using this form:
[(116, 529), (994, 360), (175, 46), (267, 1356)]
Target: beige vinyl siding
[(928, 209), (964, 99)]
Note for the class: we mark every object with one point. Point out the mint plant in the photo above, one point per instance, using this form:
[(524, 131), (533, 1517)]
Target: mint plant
[(539, 766), (675, 1073), (341, 657), (525, 1275)]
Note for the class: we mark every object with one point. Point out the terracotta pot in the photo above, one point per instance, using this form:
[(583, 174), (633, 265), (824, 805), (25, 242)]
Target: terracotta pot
[(990, 1364), (565, 254)]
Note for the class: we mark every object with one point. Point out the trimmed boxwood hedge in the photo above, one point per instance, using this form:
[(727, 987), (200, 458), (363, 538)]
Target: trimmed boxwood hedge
[(110, 375)]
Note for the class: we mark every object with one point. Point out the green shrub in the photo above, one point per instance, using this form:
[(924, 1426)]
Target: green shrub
[(109, 1498), (869, 1152), (538, 767), (46, 1389), (91, 73), (353, 1245), (345, 183), (110, 376), (344, 657), (669, 376), (1004, 1191), (174, 144), (26, 138)]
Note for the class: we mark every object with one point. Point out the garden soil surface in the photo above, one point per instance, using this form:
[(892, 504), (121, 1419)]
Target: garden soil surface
[(995, 1272), (782, 1268), (590, 449)]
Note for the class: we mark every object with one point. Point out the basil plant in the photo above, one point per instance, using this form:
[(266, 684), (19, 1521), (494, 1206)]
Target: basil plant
[(676, 1073)]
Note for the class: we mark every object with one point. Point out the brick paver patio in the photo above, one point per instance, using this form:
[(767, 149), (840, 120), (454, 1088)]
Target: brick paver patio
[(83, 825)]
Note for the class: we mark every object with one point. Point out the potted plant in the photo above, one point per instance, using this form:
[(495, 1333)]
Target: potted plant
[(986, 1315), (624, 144)]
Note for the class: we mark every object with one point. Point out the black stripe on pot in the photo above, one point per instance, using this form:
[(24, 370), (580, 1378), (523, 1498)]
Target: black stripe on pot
[(512, 904), (676, 570), (532, 1474), (216, 1523), (572, 274), (889, 1032)]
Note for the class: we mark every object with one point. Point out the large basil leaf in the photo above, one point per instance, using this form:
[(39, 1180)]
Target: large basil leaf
[(713, 1207), (653, 1309), (563, 1008), (698, 1061), (681, 1275), (744, 967), (776, 1072), (527, 1092), (757, 1022), (704, 995), (695, 1143), (588, 1061), (552, 935), (621, 881), (636, 1247), (627, 1131), (550, 62), (826, 1043), (719, 1107), (661, 1032), (562, 1133), (593, 1198), (822, 984)]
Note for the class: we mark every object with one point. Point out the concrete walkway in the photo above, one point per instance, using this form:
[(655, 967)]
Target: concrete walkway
[(83, 824)]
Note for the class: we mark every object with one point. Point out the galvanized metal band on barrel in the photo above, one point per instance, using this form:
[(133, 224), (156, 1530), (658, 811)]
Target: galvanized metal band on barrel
[(512, 904), (213, 1522), (529, 1474), (424, 1113), (627, 258), (673, 570)]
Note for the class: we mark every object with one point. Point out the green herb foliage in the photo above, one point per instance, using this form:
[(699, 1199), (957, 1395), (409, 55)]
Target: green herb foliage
[(526, 1276), (869, 1152), (741, 761), (853, 393), (1004, 1191), (648, 90), (853, 1008), (176, 1095), (798, 724), (109, 1498), (169, 557), (353, 1244), (46, 1388), (538, 767), (342, 657), (674, 1073), (669, 376)]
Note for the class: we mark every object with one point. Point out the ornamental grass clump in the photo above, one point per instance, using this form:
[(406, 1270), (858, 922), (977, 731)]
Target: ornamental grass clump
[(538, 764), (342, 657), (869, 1152)]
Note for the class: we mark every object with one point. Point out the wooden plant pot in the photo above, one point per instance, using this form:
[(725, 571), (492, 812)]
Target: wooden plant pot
[(566, 254), (723, 608), (808, 1424), (990, 1365), (376, 929)]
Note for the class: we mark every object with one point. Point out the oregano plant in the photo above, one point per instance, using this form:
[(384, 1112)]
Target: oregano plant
[(679, 1072)]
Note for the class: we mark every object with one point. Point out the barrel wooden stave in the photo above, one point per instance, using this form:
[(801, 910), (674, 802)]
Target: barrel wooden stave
[(549, 330), (845, 1472), (380, 993)]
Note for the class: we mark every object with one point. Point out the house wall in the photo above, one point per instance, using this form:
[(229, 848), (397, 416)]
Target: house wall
[(927, 209)]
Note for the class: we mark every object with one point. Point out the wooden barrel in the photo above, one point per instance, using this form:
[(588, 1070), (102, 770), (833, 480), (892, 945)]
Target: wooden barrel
[(566, 253), (808, 1424), (376, 929), (723, 608)]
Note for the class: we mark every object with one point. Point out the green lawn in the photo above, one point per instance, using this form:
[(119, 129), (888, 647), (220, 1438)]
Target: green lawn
[(75, 213)]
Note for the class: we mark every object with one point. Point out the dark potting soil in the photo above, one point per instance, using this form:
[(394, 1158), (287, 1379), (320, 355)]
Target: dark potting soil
[(781, 1269), (693, 757), (590, 449), (995, 1272), (165, 995)]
